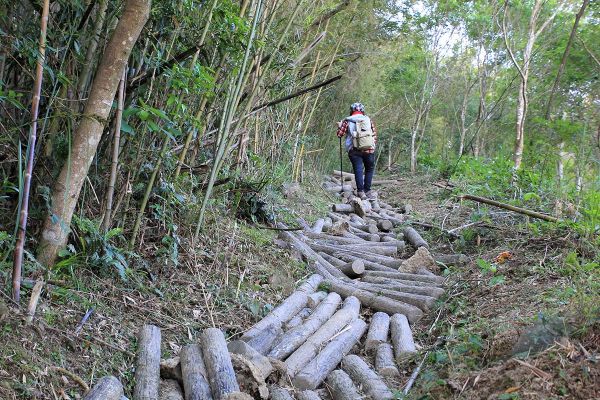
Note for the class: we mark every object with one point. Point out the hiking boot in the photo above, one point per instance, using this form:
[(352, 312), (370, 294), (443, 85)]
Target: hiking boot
[(362, 195), (371, 195)]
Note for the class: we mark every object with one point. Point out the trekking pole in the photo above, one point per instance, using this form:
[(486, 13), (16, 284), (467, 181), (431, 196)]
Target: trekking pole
[(341, 171)]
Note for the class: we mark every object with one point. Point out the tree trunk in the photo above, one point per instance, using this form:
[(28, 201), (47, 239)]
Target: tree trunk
[(65, 191), (563, 61)]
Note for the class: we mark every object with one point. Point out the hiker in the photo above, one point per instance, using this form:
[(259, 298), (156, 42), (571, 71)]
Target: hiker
[(361, 138)]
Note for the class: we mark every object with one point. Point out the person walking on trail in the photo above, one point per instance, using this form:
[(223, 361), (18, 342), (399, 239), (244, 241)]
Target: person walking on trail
[(361, 139)]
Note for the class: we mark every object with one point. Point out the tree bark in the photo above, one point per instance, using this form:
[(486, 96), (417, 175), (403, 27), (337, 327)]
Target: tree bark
[(291, 340), (371, 383), (413, 237), (169, 389), (286, 310), (262, 363), (147, 371), (308, 395), (309, 349), (65, 191), (107, 388), (341, 386), (402, 337), (217, 361), (193, 370), (384, 361), (279, 393), (315, 372), (378, 331)]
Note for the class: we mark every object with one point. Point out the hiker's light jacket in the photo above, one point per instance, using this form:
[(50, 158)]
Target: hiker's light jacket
[(348, 125)]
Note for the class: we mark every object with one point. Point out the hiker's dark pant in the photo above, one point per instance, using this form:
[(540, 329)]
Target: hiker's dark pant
[(364, 167)]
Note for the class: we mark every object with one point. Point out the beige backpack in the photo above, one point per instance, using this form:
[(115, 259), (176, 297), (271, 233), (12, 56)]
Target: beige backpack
[(363, 137)]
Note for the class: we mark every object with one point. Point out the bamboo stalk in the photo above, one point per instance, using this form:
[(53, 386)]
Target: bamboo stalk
[(37, 89), (533, 214), (115, 154)]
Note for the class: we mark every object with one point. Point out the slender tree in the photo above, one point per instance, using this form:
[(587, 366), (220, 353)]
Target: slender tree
[(35, 103), (65, 191)]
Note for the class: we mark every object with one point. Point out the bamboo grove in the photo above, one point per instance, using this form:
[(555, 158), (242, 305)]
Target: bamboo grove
[(120, 119)]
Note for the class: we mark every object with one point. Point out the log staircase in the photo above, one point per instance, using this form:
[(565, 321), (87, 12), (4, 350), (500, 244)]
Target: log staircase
[(311, 346)]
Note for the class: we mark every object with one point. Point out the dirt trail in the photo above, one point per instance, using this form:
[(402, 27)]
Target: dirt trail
[(237, 275)]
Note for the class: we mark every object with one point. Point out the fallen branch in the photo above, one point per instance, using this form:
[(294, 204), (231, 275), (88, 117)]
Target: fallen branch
[(71, 375), (533, 214)]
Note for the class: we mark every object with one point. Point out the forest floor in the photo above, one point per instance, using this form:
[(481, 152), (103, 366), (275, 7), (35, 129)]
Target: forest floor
[(521, 285)]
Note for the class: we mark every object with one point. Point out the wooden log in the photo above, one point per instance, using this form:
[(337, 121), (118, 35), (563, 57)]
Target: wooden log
[(375, 251), (298, 318), (332, 238), (327, 224), (405, 286), (338, 283), (413, 237), (433, 280), (353, 269), (264, 340), (368, 228), (346, 175), (309, 349), (384, 216), (385, 205), (262, 365), (107, 388), (342, 208), (147, 371), (194, 374), (369, 265), (375, 205), (375, 300), (384, 361), (169, 389), (286, 310), (376, 258), (341, 386), (425, 271), (378, 331), (315, 298), (315, 372), (291, 340), (421, 301), (533, 214), (385, 225), (308, 395), (279, 393), (402, 338), (338, 188), (371, 383), (217, 361), (318, 226), (369, 237)]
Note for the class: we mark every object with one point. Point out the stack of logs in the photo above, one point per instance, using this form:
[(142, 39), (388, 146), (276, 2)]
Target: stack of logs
[(302, 348)]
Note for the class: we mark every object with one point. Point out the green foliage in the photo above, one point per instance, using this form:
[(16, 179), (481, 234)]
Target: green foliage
[(94, 249)]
